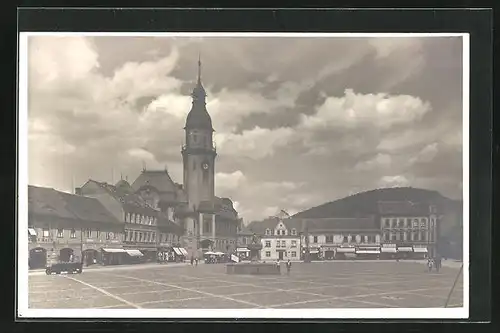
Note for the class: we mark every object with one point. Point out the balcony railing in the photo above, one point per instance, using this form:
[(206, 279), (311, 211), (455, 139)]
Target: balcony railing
[(213, 148)]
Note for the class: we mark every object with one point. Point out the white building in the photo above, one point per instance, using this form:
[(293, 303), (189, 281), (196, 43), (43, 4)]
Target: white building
[(280, 238)]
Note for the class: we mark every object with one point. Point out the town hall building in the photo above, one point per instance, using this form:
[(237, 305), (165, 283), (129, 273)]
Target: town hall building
[(190, 213)]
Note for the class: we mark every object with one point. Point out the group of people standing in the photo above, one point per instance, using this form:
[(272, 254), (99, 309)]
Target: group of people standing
[(288, 266), (434, 263)]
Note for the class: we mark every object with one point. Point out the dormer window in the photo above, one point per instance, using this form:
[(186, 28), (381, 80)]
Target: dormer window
[(268, 231), (294, 232)]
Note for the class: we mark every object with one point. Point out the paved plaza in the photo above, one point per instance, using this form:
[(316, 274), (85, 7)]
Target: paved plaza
[(312, 285)]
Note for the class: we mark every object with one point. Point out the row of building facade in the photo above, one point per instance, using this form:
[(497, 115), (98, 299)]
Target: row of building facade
[(401, 229)]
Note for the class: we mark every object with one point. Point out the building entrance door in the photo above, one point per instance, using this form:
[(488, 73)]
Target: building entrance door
[(280, 255)]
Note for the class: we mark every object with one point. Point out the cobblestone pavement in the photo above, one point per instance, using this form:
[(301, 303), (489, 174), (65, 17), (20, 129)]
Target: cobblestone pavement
[(312, 285)]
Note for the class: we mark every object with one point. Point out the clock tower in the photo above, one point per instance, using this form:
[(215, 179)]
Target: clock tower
[(199, 151)]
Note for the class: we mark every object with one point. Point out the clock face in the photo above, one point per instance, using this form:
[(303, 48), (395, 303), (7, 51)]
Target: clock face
[(205, 166)]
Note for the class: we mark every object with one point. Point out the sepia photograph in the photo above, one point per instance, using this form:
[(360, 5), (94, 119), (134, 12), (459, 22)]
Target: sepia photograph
[(243, 175)]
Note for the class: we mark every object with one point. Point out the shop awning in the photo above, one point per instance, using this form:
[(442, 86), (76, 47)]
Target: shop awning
[(219, 253), (208, 253), (114, 250), (183, 251), (367, 252), (346, 250), (242, 249), (405, 249), (134, 253), (177, 251), (31, 232), (420, 249), (388, 250), (313, 251)]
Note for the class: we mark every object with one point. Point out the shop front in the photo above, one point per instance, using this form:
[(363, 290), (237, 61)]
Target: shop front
[(388, 251), (180, 254), (243, 253), (420, 252), (328, 252), (343, 253), (314, 253), (113, 256), (91, 257), (149, 254), (368, 253), (405, 252), (134, 256)]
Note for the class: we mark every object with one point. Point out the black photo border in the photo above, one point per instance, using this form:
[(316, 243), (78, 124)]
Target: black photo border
[(478, 23)]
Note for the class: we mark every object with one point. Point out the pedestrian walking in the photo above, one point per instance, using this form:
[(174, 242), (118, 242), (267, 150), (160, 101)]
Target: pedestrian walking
[(278, 265), (438, 263), (192, 260), (429, 264), (196, 261), (288, 267)]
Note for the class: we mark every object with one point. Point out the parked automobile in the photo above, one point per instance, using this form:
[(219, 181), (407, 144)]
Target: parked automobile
[(68, 267)]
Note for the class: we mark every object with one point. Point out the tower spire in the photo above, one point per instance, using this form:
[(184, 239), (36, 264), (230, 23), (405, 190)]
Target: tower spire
[(199, 67)]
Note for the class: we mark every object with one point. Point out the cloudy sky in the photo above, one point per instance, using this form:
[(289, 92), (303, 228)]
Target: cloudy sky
[(299, 121)]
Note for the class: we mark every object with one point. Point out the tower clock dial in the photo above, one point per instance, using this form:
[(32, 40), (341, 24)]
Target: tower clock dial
[(205, 166)]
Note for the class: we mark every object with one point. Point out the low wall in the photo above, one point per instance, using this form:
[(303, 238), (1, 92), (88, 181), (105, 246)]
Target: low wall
[(252, 269)]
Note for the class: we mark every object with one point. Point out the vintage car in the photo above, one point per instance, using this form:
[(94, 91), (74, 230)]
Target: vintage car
[(68, 267)]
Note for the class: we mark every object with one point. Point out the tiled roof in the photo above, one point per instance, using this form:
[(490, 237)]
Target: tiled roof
[(259, 227), (159, 179), (333, 224), (47, 201), (403, 208), (123, 197), (88, 209)]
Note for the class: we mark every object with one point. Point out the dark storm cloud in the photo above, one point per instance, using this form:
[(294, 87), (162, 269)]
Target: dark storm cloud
[(301, 118)]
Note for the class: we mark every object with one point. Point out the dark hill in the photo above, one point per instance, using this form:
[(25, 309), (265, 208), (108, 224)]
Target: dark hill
[(366, 203)]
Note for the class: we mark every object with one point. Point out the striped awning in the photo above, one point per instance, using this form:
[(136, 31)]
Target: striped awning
[(31, 232), (177, 251), (183, 251), (405, 249)]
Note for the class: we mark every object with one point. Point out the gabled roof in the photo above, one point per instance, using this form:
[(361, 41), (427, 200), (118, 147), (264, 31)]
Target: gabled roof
[(259, 227), (47, 201), (158, 179), (88, 209), (340, 224), (123, 197)]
